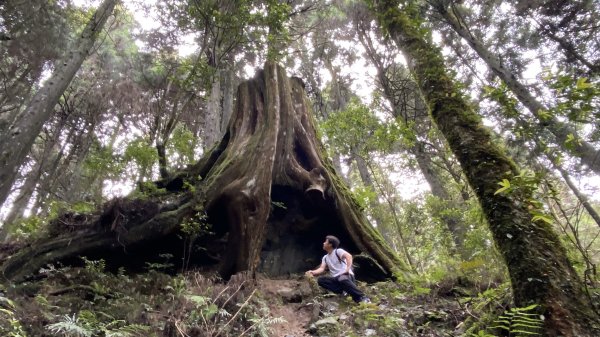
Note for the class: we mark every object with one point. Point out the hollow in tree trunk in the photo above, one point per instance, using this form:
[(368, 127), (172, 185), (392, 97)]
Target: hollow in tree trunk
[(267, 191)]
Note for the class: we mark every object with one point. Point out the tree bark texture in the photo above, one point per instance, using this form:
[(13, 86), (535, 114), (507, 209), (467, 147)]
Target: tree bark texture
[(271, 145), (212, 121), (539, 269), (219, 107), (228, 89), (16, 143), (269, 194)]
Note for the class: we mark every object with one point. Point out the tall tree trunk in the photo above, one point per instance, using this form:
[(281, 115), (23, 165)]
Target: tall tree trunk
[(162, 160), (539, 269), (585, 151), (453, 221), (15, 144), (212, 121), (269, 156), (228, 89), (338, 103), (367, 180), (56, 166), (31, 180)]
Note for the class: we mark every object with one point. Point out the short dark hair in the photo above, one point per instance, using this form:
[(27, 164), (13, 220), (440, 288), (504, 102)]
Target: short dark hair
[(335, 242)]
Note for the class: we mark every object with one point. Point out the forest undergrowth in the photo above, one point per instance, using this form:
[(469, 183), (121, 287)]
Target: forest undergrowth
[(91, 301)]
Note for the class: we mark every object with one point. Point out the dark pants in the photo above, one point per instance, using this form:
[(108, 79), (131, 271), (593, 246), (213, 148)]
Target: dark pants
[(340, 284)]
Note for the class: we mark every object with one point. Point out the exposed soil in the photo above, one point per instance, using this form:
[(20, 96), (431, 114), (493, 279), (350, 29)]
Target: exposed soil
[(297, 315)]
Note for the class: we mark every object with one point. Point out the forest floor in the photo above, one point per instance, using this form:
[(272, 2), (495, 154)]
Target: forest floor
[(391, 313), (89, 301), (297, 315)]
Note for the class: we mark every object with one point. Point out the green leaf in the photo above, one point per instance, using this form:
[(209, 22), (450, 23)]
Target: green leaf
[(543, 218), (544, 115), (198, 300), (582, 83), (8, 312), (505, 186)]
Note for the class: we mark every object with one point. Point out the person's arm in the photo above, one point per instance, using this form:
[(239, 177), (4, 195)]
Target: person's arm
[(348, 258), (317, 271)]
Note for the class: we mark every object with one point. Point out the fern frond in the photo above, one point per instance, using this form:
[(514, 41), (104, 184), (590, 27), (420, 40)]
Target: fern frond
[(520, 322), (70, 326)]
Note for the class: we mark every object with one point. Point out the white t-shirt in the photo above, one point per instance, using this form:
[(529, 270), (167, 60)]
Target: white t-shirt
[(334, 265)]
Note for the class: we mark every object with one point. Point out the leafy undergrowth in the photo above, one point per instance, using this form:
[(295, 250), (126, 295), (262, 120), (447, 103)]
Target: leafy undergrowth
[(88, 301)]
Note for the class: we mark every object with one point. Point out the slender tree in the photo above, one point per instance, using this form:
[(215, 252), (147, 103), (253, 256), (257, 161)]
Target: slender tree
[(16, 143), (408, 107), (564, 133), (22, 56)]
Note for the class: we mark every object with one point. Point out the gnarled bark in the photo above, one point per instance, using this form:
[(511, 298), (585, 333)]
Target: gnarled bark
[(271, 144), (269, 194)]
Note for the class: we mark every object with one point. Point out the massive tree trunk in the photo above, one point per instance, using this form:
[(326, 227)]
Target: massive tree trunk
[(266, 190), (16, 143), (539, 269)]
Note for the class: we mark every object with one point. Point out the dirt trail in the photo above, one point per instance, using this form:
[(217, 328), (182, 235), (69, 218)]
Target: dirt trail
[(394, 312), (289, 306)]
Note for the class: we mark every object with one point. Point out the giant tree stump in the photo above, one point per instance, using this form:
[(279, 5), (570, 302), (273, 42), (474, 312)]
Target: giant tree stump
[(269, 194)]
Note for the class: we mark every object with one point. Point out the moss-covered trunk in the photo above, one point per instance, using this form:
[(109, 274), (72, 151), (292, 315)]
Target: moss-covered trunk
[(268, 193), (539, 269), (271, 145)]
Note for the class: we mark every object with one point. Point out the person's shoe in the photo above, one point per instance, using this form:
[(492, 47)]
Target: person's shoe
[(344, 294), (364, 300)]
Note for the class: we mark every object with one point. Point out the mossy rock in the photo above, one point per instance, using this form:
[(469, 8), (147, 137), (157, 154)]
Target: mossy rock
[(328, 326)]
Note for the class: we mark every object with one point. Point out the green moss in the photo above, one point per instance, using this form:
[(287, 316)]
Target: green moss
[(539, 269)]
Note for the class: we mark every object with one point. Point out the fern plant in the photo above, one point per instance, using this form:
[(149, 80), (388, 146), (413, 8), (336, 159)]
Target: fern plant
[(520, 322), (87, 324), (71, 326), (262, 325)]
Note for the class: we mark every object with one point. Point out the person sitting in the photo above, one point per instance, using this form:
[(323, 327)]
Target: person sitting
[(339, 263)]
